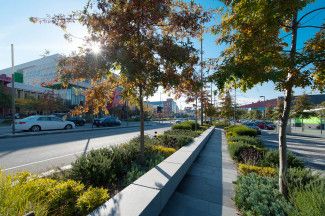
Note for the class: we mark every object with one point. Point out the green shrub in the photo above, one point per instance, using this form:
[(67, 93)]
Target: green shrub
[(247, 154), (174, 141), (240, 130), (221, 124), (133, 174), (259, 195), (271, 158), (22, 193), (264, 171), (91, 199), (186, 125), (106, 166), (254, 141), (310, 200), (301, 177), (189, 133)]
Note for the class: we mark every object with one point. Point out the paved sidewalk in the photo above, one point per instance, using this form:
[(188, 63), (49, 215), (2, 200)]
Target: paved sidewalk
[(207, 188)]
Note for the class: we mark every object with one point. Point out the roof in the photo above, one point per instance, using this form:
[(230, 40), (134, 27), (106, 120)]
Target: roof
[(314, 99)]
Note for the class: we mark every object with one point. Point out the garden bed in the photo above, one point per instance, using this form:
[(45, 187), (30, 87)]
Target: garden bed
[(93, 178), (256, 190)]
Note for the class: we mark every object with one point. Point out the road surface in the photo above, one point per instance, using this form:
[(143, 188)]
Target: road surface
[(42, 153), (310, 150)]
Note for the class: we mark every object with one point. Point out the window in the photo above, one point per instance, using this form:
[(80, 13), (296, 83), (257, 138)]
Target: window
[(56, 119), (43, 119)]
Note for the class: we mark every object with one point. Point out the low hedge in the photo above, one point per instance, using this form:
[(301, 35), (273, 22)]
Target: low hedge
[(174, 141), (310, 200), (221, 124), (259, 195), (254, 141), (163, 150), (271, 158), (244, 153), (189, 133), (263, 171), (240, 130), (24, 192), (186, 125)]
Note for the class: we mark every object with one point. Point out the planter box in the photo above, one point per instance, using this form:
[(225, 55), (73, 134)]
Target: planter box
[(149, 194)]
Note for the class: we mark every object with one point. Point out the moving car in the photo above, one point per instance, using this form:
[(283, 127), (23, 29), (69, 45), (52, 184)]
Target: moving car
[(40, 122), (77, 120), (107, 121)]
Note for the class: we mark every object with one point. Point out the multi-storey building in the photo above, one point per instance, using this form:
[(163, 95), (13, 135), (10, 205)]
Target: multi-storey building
[(32, 76)]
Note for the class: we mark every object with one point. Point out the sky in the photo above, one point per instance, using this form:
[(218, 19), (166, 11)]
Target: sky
[(31, 40)]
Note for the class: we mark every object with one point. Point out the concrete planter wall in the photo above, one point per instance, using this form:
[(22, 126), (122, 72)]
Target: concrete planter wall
[(149, 194)]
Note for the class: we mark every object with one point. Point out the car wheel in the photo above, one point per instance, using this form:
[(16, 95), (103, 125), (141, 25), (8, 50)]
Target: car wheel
[(35, 128), (69, 126)]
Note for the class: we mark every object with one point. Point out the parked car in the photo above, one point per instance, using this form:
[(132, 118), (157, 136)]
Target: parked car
[(40, 122), (253, 126), (107, 121), (270, 125), (77, 120)]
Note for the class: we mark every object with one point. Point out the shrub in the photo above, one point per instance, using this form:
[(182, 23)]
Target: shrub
[(271, 158), (105, 166), (23, 193), (309, 201), (259, 195), (91, 199), (186, 125), (189, 133), (264, 171), (63, 197), (240, 130), (245, 153), (301, 177), (221, 124), (174, 141), (254, 141), (133, 174), (166, 151)]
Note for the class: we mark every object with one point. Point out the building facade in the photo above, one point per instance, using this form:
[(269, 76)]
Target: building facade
[(34, 75)]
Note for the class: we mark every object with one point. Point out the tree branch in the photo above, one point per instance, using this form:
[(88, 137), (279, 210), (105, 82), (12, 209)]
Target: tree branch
[(310, 12), (311, 26)]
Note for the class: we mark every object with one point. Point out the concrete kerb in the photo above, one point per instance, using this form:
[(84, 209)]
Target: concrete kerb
[(66, 131), (149, 194)]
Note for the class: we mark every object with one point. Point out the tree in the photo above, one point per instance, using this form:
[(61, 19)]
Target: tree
[(302, 103), (5, 99), (144, 41), (226, 110), (269, 113), (255, 114), (256, 32)]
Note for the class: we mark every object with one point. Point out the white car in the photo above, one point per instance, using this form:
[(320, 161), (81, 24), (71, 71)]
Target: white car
[(39, 122)]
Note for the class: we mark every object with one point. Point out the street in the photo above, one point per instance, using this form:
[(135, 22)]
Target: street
[(310, 150), (42, 153)]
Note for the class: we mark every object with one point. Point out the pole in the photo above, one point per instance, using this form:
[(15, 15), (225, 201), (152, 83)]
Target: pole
[(264, 111), (13, 106), (201, 41), (196, 113)]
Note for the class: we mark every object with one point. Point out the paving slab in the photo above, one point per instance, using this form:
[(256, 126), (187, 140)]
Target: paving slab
[(207, 188)]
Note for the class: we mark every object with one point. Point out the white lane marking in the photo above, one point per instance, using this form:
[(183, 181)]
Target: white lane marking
[(62, 156)]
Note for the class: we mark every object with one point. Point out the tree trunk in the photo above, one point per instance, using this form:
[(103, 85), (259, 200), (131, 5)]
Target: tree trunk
[(302, 125), (141, 124), (283, 188), (282, 142)]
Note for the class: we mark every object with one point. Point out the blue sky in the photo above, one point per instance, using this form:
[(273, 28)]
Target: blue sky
[(31, 40)]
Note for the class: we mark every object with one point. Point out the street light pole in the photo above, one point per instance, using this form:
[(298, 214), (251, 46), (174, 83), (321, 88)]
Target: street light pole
[(264, 109), (201, 41), (13, 106)]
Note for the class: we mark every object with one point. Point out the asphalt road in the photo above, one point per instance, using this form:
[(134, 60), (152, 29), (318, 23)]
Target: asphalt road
[(42, 153), (310, 150)]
